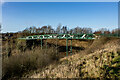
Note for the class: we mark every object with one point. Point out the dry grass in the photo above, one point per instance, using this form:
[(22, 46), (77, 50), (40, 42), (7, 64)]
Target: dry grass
[(101, 64), (16, 65), (98, 44), (28, 59)]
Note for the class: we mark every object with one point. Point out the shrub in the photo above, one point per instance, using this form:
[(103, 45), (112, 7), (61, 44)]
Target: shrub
[(16, 65)]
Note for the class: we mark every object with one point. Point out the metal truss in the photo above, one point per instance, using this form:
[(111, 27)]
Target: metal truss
[(61, 36)]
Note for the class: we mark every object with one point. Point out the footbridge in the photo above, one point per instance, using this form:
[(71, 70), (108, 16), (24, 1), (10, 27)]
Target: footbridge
[(67, 37), (61, 36)]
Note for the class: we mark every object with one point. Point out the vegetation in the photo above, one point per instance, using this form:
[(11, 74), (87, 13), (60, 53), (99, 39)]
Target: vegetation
[(18, 64), (98, 44), (20, 57), (64, 29), (27, 56), (103, 63)]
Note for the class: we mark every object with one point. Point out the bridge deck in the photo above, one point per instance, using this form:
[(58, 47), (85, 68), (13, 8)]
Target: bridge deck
[(60, 36), (65, 36)]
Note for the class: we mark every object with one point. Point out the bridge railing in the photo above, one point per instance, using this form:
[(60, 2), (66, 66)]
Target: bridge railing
[(61, 36)]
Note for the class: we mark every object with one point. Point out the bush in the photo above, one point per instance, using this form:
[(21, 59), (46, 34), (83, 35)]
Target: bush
[(16, 65)]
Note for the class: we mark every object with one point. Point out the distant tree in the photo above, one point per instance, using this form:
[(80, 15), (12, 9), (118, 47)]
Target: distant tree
[(27, 30), (30, 29), (64, 29), (49, 29), (76, 30), (103, 30), (44, 29), (58, 30), (34, 29), (97, 32), (38, 30), (71, 31), (107, 32), (79, 30), (116, 31), (89, 30), (52, 31)]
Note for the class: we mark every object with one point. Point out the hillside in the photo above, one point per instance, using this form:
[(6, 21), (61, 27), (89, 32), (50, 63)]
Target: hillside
[(104, 62), (90, 59)]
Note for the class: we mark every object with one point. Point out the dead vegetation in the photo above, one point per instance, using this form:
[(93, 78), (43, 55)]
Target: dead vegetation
[(17, 65), (100, 43), (102, 63), (96, 60)]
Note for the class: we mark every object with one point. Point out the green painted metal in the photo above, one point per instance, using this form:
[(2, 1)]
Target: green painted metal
[(60, 36), (67, 37), (71, 46), (66, 47), (46, 45), (41, 43), (56, 46), (70, 36)]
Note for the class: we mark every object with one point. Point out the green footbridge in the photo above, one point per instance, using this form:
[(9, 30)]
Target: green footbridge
[(63, 36), (60, 36)]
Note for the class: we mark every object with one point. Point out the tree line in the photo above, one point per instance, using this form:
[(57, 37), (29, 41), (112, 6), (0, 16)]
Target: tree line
[(64, 29)]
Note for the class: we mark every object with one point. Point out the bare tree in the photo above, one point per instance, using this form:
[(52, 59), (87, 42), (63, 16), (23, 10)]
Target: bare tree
[(38, 30), (26, 30), (79, 30), (116, 31), (103, 30), (34, 29), (44, 29), (58, 30), (49, 29), (64, 29)]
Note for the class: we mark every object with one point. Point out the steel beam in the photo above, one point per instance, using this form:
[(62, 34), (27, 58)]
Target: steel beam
[(66, 45), (41, 43), (60, 36), (71, 46), (46, 44)]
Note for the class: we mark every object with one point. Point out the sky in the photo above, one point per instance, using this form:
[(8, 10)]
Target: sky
[(16, 16)]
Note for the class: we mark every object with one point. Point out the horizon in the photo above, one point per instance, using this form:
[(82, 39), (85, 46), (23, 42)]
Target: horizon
[(16, 16)]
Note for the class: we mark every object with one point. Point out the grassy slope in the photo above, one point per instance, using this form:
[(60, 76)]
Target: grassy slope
[(103, 62)]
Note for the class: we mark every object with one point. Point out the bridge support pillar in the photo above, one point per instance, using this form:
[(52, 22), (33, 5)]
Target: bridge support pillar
[(66, 47), (71, 46), (56, 46), (46, 43), (41, 43)]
